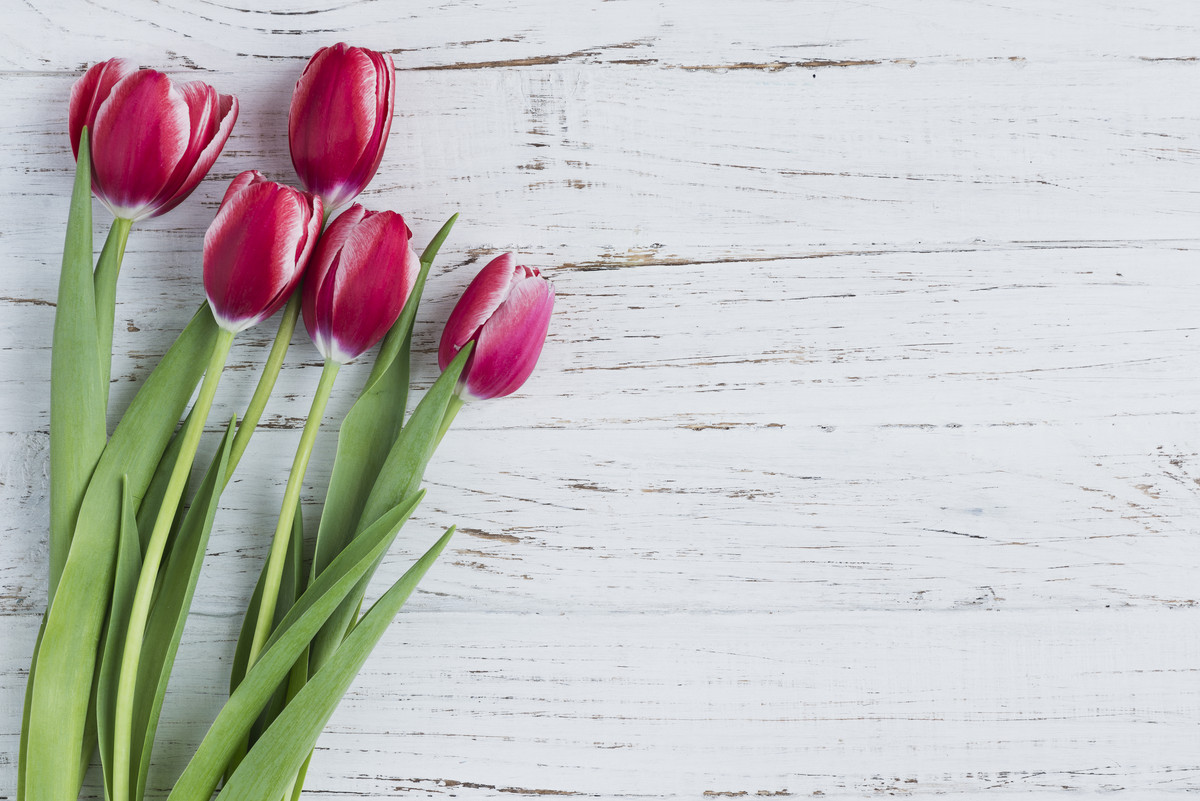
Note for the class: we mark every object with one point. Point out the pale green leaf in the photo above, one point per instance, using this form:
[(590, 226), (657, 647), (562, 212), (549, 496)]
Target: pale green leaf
[(129, 566), (66, 659), (269, 769), (77, 397), (399, 477), (172, 600), (285, 645), (371, 425)]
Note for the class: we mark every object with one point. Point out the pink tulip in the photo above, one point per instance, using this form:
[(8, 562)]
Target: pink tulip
[(361, 276), (152, 140), (339, 120), (256, 249), (506, 311)]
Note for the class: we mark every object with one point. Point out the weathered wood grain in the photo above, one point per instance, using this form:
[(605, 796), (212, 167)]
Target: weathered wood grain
[(682, 705), (862, 458)]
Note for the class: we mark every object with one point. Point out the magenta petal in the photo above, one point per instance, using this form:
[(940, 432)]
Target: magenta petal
[(141, 133), (510, 342), (241, 181), (385, 97), (479, 301), (250, 251), (339, 120), (210, 141), (90, 91), (324, 257), (370, 287)]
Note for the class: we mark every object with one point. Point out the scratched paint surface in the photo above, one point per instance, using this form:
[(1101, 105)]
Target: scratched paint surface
[(862, 458)]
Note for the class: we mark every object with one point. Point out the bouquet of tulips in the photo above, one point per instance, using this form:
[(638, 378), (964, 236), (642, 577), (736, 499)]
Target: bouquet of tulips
[(126, 541)]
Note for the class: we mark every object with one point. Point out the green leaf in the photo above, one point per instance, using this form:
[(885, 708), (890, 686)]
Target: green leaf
[(157, 488), (129, 565), (392, 342), (66, 659), (268, 770), (371, 425), (23, 745), (172, 601), (285, 646), (399, 477), (241, 653), (108, 266), (77, 396), (290, 588), (290, 583)]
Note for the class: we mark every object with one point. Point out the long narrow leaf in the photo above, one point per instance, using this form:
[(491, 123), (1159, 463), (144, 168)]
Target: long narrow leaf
[(371, 425), (289, 589), (157, 488), (399, 478), (108, 266), (164, 627), (129, 565), (67, 656), (282, 649), (23, 745), (77, 397), (268, 770)]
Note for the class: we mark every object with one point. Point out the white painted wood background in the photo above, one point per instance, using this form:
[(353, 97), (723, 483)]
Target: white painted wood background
[(863, 456)]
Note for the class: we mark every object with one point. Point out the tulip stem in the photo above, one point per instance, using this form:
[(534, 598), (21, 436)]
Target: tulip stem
[(291, 497), (140, 610), (107, 269), (266, 383)]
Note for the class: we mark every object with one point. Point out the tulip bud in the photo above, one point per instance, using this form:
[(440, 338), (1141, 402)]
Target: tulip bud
[(361, 276), (339, 120), (152, 140), (506, 311), (256, 249)]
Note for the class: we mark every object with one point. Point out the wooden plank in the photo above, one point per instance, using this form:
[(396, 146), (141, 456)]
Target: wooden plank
[(1009, 517), (861, 459), (842, 705)]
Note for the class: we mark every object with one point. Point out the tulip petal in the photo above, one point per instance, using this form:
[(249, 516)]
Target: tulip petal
[(510, 342), (250, 264), (479, 301), (370, 285), (90, 91), (241, 181), (324, 258), (210, 132), (141, 132), (339, 120), (385, 96)]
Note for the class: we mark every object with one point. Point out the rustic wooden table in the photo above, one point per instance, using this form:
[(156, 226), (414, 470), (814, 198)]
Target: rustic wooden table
[(862, 459)]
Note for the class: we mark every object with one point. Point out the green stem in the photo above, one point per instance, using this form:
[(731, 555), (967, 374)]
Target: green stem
[(291, 497), (140, 610), (107, 269), (266, 383)]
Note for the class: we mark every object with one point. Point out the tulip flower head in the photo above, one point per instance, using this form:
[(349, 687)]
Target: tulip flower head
[(506, 311), (361, 276), (339, 120), (256, 249), (152, 140)]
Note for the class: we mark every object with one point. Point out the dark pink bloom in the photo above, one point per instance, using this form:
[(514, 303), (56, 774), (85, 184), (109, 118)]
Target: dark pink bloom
[(361, 276), (152, 140), (339, 120), (506, 311), (256, 249)]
